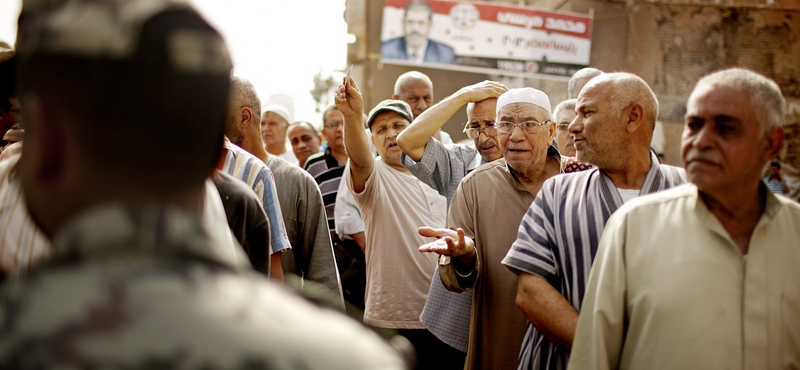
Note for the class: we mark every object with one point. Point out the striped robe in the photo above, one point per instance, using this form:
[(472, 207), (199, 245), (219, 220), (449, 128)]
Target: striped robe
[(558, 238)]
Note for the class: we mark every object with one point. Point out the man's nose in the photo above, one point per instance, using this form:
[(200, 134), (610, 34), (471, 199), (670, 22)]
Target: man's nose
[(576, 125)]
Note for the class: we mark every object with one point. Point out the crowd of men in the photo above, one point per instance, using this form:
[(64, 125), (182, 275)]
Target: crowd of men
[(237, 238)]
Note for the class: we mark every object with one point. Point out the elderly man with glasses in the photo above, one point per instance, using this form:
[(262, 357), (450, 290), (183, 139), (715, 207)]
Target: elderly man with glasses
[(442, 166), (484, 216)]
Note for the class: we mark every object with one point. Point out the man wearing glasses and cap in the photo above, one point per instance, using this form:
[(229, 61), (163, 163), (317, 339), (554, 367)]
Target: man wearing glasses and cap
[(484, 215)]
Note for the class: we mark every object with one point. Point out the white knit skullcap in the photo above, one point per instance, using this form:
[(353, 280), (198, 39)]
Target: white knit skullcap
[(279, 110), (524, 95)]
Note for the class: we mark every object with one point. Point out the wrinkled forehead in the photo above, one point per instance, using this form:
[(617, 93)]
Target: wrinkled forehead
[(416, 87), (387, 118), (565, 115), (272, 118), (517, 111)]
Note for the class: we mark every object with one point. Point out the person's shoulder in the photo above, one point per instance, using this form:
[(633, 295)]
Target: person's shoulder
[(447, 49), (315, 158), (487, 169), (393, 48), (662, 198), (673, 173), (288, 171)]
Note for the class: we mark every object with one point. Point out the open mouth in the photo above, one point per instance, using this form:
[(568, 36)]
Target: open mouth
[(392, 145)]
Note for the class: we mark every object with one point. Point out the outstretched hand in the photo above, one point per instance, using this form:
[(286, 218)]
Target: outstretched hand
[(348, 99), (449, 242)]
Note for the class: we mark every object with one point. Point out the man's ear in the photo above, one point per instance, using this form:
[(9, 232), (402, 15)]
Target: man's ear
[(635, 117), (396, 97), (773, 142), (247, 115)]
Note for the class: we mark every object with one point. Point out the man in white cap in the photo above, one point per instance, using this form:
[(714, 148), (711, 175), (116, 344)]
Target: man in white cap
[(274, 122), (484, 215), (559, 234)]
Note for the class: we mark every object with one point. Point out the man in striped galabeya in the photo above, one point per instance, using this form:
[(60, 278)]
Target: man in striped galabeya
[(559, 235)]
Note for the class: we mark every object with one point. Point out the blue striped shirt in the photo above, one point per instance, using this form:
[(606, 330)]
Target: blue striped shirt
[(248, 168)]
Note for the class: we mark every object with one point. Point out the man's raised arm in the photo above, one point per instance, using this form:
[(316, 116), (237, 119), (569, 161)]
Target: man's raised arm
[(413, 139), (350, 102)]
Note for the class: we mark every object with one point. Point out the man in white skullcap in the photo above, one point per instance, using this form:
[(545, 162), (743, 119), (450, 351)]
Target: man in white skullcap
[(274, 122), (484, 216)]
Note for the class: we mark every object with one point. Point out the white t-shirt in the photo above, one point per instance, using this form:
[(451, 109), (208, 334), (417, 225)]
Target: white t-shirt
[(628, 194), (394, 205)]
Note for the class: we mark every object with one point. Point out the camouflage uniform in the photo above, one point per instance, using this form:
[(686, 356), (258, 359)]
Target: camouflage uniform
[(144, 288)]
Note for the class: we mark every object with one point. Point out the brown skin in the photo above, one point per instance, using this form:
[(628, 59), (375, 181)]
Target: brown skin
[(335, 135), (305, 142), (59, 180), (417, 93), (723, 154), (273, 132), (563, 139)]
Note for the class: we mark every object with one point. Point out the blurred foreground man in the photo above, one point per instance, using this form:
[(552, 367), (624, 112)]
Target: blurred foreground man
[(715, 285), (135, 281)]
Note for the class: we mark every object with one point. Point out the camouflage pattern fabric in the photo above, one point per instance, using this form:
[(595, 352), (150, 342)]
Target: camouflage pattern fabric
[(145, 289)]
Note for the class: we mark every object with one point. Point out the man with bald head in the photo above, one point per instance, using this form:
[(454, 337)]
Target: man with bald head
[(715, 284), (299, 198), (484, 215), (558, 236), (579, 80), (416, 89), (305, 141)]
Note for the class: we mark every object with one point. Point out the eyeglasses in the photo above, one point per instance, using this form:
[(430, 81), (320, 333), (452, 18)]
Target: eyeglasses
[(527, 126), (474, 132), (333, 124)]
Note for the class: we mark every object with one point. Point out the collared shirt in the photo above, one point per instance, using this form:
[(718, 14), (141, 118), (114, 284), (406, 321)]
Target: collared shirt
[(327, 172), (246, 167), (558, 238), (488, 206), (446, 313), (416, 55), (146, 287), (670, 289), (443, 166)]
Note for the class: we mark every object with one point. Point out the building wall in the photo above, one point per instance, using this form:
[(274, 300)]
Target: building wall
[(670, 44)]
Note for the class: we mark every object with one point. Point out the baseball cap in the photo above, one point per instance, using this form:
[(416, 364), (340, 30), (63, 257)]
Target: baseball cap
[(524, 95), (165, 34), (279, 110), (398, 106)]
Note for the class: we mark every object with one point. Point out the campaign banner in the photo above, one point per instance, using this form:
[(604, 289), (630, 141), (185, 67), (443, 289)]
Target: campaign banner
[(485, 38)]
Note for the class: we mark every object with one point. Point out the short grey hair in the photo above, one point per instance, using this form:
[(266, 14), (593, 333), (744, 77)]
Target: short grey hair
[(765, 95), (410, 75), (628, 89), (580, 78), (243, 94), (566, 105)]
